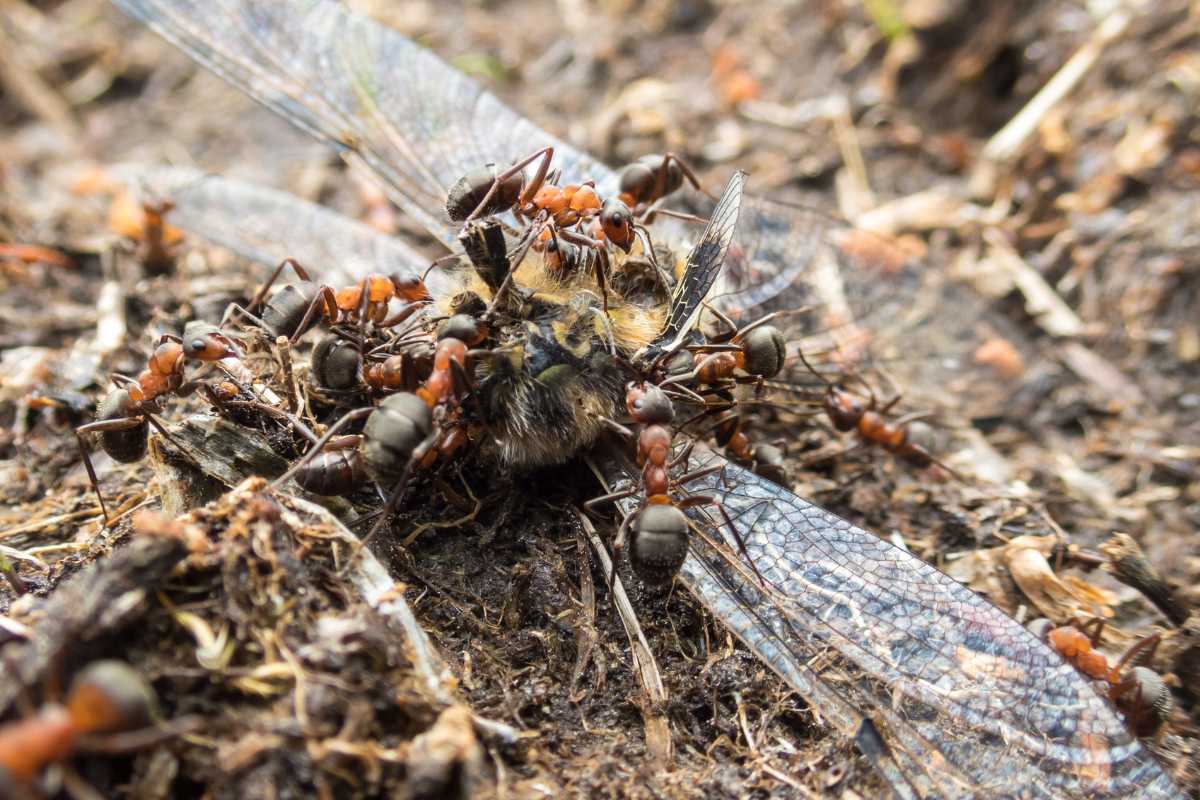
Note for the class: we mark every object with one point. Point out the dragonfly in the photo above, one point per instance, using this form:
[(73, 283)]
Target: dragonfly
[(949, 696)]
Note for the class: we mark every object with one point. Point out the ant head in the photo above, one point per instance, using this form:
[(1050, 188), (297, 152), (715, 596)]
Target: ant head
[(463, 327), (616, 220), (844, 408), (648, 404), (205, 342), (409, 287)]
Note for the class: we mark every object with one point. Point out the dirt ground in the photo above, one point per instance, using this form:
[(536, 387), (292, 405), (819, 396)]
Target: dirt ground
[(278, 679)]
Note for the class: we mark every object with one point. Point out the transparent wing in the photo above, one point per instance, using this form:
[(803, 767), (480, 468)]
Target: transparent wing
[(418, 125), (703, 264), (384, 102), (266, 225), (869, 306), (961, 692)]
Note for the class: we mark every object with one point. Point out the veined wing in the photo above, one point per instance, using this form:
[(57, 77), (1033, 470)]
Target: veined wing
[(703, 265), (267, 225), (418, 124), (950, 680), (384, 102)]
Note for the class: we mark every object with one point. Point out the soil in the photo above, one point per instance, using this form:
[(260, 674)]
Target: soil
[(281, 680)]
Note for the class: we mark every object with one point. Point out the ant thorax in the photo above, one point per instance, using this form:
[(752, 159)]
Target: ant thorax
[(558, 361)]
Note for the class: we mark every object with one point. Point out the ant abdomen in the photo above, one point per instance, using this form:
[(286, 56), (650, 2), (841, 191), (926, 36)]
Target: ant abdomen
[(110, 696), (332, 473), (335, 364), (285, 309), (468, 192), (660, 543), (765, 351), (126, 445), (393, 431)]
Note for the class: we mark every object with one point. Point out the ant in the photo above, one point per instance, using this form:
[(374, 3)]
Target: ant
[(106, 697), (1139, 693), (658, 545), (338, 366), (406, 431), (847, 412), (156, 241), (764, 458), (757, 349), (556, 210), (124, 415), (294, 307)]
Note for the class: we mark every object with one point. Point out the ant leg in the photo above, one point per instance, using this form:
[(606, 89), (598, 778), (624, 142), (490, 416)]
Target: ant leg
[(703, 472), (417, 455), (460, 380), (545, 154), (289, 378), (666, 212), (241, 313), (763, 320), (539, 177), (683, 456), (813, 370), (91, 471), (364, 303), (506, 285), (592, 504), (730, 325), (618, 545), (681, 392), (158, 426), (615, 427), (699, 500), (643, 235), (1140, 652), (400, 316), (114, 424), (1096, 626), (602, 265), (351, 416), (324, 295)]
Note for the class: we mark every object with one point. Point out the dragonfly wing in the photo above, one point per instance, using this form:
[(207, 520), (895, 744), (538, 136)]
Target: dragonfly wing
[(383, 101), (987, 700), (703, 266), (267, 225), (858, 302)]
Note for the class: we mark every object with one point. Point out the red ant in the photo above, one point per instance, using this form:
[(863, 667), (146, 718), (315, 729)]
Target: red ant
[(555, 210), (659, 542), (1139, 693), (765, 459), (847, 412), (124, 415), (106, 697), (757, 349), (145, 225), (406, 431), (401, 363), (291, 309)]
